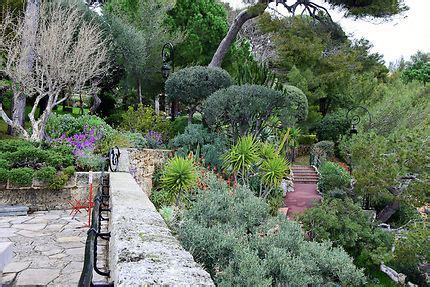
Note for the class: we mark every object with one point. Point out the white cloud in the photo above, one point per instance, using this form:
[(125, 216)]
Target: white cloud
[(402, 36)]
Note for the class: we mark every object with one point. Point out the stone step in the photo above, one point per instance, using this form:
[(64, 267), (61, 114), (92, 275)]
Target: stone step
[(13, 210)]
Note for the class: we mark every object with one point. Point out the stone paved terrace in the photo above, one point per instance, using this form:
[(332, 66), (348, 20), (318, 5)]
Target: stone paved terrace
[(48, 248)]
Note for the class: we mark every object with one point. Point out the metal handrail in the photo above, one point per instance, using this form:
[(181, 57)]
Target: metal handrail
[(90, 258)]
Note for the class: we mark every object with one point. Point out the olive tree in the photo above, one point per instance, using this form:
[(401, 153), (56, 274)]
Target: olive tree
[(70, 57), (246, 108), (192, 85)]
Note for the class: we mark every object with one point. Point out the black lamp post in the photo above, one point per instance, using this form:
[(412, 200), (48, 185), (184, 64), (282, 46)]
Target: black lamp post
[(354, 118), (168, 57)]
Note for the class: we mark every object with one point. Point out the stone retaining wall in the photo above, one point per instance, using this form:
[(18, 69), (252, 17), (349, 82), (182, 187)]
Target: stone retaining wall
[(39, 197), (142, 250), (143, 163)]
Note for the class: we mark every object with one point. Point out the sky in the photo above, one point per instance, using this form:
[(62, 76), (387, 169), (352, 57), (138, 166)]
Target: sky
[(403, 36)]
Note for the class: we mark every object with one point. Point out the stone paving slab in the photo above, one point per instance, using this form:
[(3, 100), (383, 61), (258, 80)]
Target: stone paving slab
[(48, 248)]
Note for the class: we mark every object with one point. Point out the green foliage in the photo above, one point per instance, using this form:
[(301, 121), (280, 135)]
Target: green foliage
[(380, 9), (144, 119), (325, 146), (4, 174), (348, 226), (245, 108), (179, 175), (241, 157), (192, 85), (379, 162), (69, 125), (199, 140), (272, 171), (90, 162), (45, 174), (319, 59), (411, 251), (21, 176), (307, 139), (332, 126), (204, 24), (332, 177), (233, 235), (297, 103), (136, 140), (69, 171)]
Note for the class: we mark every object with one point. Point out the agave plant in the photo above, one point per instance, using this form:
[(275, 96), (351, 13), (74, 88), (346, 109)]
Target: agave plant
[(179, 175), (241, 157), (272, 171)]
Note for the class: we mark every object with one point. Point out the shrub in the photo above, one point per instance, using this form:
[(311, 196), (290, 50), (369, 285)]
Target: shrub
[(179, 175), (58, 181), (347, 226), (232, 234), (45, 174), (244, 108), (154, 139), (307, 139), (240, 158), (137, 140), (297, 102), (326, 146), (333, 176), (89, 162), (192, 85), (21, 176), (144, 119), (180, 123), (58, 125), (3, 175), (69, 171), (4, 164), (332, 126)]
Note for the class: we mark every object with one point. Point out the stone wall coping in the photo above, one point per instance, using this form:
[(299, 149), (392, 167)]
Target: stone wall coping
[(142, 250), (76, 180)]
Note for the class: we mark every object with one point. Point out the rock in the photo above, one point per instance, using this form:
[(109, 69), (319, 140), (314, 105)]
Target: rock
[(16, 267), (30, 227), (7, 232), (31, 277), (68, 239), (8, 278)]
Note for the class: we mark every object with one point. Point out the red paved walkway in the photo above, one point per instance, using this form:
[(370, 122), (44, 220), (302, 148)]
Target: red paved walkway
[(305, 190)]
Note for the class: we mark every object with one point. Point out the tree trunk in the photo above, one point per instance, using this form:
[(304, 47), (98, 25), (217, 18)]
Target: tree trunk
[(96, 104), (139, 90), (190, 115), (251, 12), (31, 22)]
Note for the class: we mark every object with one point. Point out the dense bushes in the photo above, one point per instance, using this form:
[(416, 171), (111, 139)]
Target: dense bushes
[(27, 160), (233, 235), (332, 126), (244, 108), (347, 226), (333, 177), (200, 141), (325, 146)]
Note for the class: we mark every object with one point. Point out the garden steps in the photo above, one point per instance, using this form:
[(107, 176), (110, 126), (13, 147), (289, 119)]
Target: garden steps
[(305, 193)]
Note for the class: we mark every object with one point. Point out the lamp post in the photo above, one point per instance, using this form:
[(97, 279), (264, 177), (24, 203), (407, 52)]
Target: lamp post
[(354, 118), (168, 57)]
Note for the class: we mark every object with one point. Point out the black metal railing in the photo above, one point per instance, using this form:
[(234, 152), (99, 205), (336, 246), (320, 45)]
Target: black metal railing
[(101, 204)]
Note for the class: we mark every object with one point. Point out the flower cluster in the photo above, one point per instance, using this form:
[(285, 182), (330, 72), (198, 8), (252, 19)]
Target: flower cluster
[(82, 143), (154, 139)]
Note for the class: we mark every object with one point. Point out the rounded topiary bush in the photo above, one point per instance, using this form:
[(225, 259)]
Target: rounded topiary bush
[(332, 126), (333, 178), (326, 146), (243, 107), (21, 176), (3, 175), (297, 102), (192, 85)]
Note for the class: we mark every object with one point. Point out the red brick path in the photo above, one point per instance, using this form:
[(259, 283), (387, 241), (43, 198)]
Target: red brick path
[(305, 190)]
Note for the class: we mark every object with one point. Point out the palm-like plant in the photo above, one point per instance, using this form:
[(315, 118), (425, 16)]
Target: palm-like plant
[(272, 171), (241, 157), (179, 175)]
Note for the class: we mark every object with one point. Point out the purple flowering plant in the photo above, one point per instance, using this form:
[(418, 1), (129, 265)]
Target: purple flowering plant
[(154, 139), (82, 143)]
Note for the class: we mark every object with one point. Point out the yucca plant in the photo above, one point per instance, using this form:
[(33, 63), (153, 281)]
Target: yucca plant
[(241, 157), (179, 175), (272, 171), (267, 151)]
